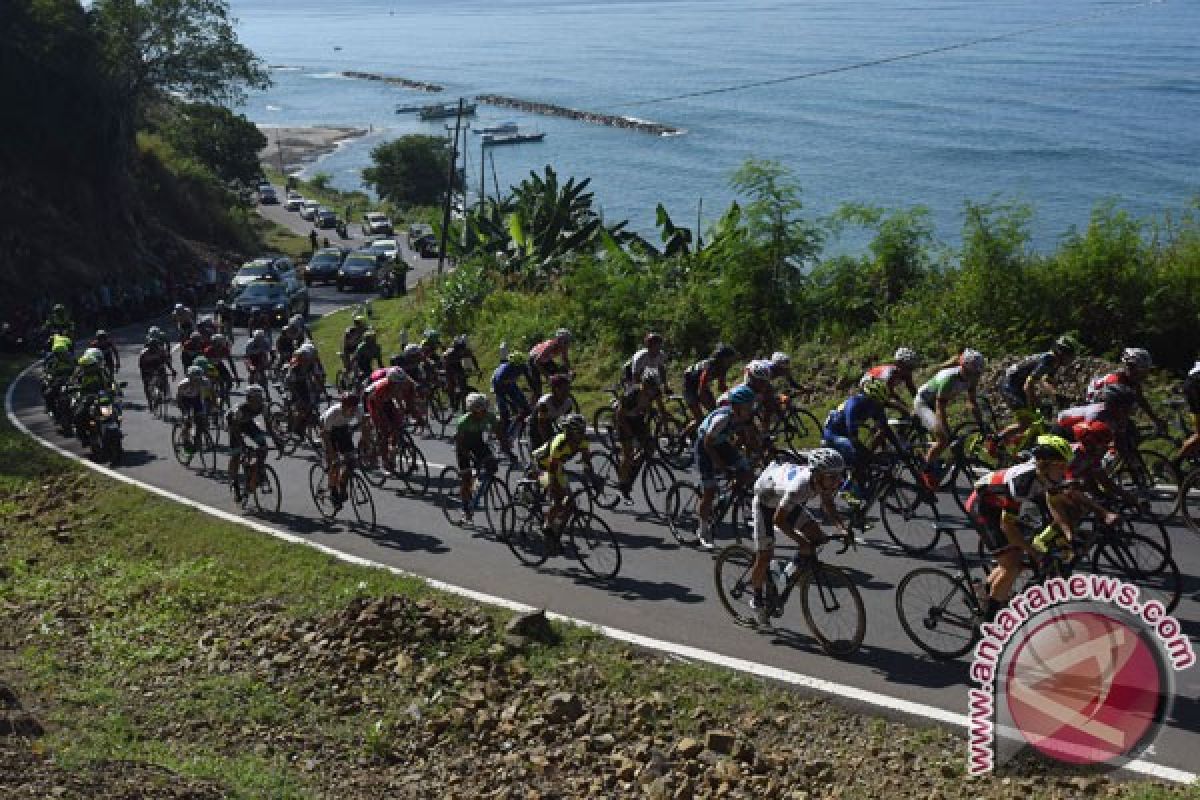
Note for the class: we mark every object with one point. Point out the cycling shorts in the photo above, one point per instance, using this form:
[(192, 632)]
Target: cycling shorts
[(709, 477), (342, 440), (986, 517), (764, 523), (510, 399), (386, 416), (632, 429), (843, 444), (237, 437), (475, 455), (191, 406), (926, 415)]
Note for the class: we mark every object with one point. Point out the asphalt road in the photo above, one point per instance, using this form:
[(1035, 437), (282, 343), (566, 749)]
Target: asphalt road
[(663, 591)]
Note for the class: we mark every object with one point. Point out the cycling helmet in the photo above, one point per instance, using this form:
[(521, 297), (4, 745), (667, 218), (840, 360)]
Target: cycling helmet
[(308, 350), (432, 334), (1136, 358), (741, 395), (154, 332), (1093, 434), (477, 402), (254, 391), (358, 319), (101, 334), (759, 370), (905, 357), (1067, 345), (179, 306), (259, 334), (874, 388), (1118, 395), (723, 350), (1052, 448), (201, 361), (195, 371), (220, 304), (58, 308), (559, 381), (396, 375), (95, 353), (61, 346), (412, 350), (460, 340), (348, 400), (826, 460), (652, 338), (971, 361), (87, 360), (563, 335), (781, 360), (219, 339), (196, 337), (574, 424), (370, 333), (651, 377)]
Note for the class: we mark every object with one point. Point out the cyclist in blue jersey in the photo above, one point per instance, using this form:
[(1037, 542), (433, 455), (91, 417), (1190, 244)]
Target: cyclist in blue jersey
[(842, 426), (716, 452), (510, 400)]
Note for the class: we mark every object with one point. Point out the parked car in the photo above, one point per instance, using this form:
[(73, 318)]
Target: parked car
[(294, 201), (267, 196), (308, 209), (281, 299), (427, 246), (273, 267), (384, 247), (417, 230), (324, 266), (326, 218), (375, 222), (360, 270)]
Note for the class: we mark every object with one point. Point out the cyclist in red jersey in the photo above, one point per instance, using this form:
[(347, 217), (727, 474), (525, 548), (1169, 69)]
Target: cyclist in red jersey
[(1134, 369), (542, 358), (896, 374), (388, 400)]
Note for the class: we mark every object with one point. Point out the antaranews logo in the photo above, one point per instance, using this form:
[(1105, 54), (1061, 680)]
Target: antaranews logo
[(1079, 669)]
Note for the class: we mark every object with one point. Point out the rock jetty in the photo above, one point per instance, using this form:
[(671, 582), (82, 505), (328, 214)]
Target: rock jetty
[(395, 81), (551, 110)]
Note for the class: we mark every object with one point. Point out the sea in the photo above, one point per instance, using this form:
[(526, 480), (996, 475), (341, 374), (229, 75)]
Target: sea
[(893, 103)]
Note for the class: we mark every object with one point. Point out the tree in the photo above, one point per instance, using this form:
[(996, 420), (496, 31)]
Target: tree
[(410, 171), (225, 142), (772, 217), (186, 47)]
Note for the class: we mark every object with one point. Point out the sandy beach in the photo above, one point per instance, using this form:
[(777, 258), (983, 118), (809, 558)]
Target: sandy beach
[(298, 147)]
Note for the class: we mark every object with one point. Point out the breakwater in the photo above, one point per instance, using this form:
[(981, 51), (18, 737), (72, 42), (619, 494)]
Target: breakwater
[(551, 110), (393, 80)]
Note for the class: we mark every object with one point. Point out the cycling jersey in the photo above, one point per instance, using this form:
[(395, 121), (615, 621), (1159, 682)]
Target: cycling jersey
[(183, 317), (241, 424), (636, 402), (546, 351), (945, 385), (456, 355), (890, 374), (367, 353), (1039, 365), (1093, 412), (856, 411), (558, 449), (151, 359), (217, 353), (508, 373), (1011, 489), (351, 338), (785, 486), (471, 429), (1085, 466), (643, 360), (257, 347), (336, 417), (720, 424), (553, 408), (1095, 390)]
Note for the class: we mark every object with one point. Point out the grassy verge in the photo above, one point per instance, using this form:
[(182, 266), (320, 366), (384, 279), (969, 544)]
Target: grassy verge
[(143, 636)]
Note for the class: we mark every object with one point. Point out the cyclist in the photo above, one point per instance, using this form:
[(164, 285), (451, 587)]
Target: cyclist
[(1030, 377), (388, 400), (299, 380), (223, 318), (470, 447), (338, 439), (933, 400), (549, 409), (57, 367), (112, 359), (351, 338), (185, 321), (241, 423), (367, 354), (896, 374), (89, 379), (431, 356), (510, 400), (551, 459), (541, 358), (651, 356), (781, 369), (842, 425), (258, 357), (1191, 395), (192, 346), (781, 495), (288, 340), (453, 361), (220, 353), (633, 424), (716, 452), (698, 381), (59, 321), (998, 502), (1134, 369), (193, 396), (155, 359), (1092, 442), (1113, 410), (206, 327)]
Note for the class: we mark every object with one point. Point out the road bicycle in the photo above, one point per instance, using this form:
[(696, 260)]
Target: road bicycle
[(158, 394), (681, 509), (357, 491), (404, 462), (648, 464), (200, 450), (267, 494), (582, 533), (490, 495), (830, 603)]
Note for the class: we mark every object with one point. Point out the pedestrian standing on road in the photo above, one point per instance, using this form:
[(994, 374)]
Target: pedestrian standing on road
[(312, 239), (210, 281)]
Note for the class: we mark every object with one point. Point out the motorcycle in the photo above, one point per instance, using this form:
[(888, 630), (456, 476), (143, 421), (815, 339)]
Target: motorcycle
[(103, 434), (58, 403)]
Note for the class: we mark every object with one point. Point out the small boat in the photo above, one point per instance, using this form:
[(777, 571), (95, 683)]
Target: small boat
[(445, 112), (511, 138), (408, 109), (337, 47), (503, 127)]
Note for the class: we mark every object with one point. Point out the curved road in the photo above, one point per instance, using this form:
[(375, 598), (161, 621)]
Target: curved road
[(663, 592)]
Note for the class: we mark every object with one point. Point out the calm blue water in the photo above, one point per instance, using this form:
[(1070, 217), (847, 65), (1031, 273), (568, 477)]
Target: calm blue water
[(1061, 117)]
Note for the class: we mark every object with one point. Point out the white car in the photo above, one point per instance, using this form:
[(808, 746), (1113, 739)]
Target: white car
[(386, 248), (376, 222), (308, 209), (294, 201)]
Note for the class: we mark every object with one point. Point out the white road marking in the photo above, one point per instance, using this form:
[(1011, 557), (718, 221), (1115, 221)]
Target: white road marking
[(835, 690)]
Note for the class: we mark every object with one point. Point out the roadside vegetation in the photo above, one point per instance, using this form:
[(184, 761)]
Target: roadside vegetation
[(150, 651)]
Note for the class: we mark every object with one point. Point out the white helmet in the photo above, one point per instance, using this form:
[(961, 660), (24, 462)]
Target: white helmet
[(781, 359), (825, 460), (259, 334), (219, 339), (1136, 358), (477, 402), (971, 360), (759, 370), (905, 357), (195, 371), (396, 375), (563, 334), (94, 352), (307, 349), (412, 350)]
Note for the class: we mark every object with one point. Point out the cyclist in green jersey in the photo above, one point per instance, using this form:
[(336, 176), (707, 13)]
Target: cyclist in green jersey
[(470, 447)]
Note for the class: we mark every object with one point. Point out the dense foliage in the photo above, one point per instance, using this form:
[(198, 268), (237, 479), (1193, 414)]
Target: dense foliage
[(412, 170)]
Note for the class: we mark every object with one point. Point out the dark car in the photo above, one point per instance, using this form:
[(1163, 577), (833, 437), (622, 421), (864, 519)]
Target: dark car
[(279, 298), (427, 246), (326, 218), (360, 270), (267, 196), (324, 266)]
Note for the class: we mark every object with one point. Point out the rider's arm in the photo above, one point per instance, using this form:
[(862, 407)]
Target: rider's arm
[(973, 404)]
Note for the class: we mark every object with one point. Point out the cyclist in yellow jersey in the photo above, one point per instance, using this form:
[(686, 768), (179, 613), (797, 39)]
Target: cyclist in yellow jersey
[(551, 458)]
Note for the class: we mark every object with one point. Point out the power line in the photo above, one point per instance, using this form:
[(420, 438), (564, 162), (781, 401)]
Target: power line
[(1062, 23)]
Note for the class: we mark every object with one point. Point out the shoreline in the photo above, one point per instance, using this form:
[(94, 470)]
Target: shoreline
[(292, 148)]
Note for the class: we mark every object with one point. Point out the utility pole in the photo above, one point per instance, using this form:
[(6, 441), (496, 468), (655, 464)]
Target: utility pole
[(482, 172), (279, 152), (449, 188)]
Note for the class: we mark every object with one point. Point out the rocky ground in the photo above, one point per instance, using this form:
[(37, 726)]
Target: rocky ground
[(297, 147)]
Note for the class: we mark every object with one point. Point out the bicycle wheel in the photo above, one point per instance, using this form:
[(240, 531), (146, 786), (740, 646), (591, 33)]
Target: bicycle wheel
[(206, 451), (604, 422), (412, 468), (318, 487), (1189, 499), (833, 609), (451, 500), (656, 480), (801, 428), (909, 519), (183, 454), (679, 507), (1156, 482), (280, 422), (937, 612), (439, 409), (606, 469), (268, 495), (361, 500), (595, 545), (1127, 558), (732, 573), (523, 534), (495, 499), (154, 400), (370, 463)]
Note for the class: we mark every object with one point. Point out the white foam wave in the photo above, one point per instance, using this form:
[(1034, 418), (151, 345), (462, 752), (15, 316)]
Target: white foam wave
[(274, 108), (329, 76)]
